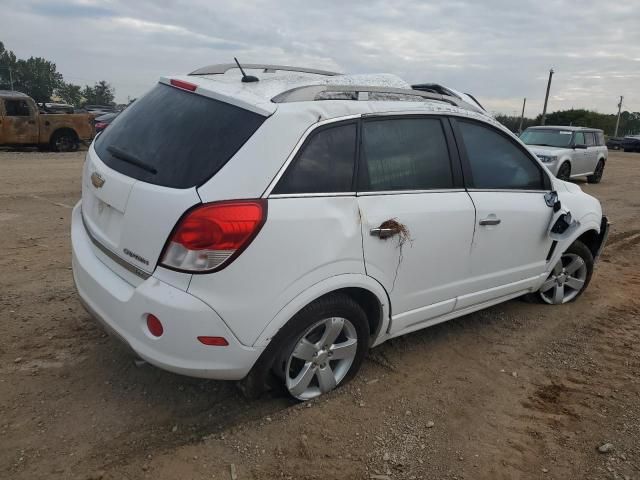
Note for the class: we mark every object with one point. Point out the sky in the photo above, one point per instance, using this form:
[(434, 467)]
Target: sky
[(498, 50)]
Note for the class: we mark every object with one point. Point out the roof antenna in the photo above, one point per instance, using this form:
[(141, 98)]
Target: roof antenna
[(246, 78)]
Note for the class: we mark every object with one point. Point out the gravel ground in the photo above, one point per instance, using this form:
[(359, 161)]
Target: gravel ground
[(515, 391)]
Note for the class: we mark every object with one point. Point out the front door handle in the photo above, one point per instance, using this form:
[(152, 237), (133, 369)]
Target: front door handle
[(490, 220), (383, 232)]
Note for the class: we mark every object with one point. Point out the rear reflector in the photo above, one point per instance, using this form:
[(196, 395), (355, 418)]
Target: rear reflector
[(154, 325), (214, 341), (184, 85), (209, 237)]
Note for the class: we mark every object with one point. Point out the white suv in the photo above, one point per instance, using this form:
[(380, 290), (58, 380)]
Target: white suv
[(569, 152), (275, 230)]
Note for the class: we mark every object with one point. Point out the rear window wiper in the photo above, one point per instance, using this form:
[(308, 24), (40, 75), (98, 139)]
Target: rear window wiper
[(132, 159)]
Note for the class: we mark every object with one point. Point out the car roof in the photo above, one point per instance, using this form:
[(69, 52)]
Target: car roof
[(278, 86), (12, 93), (564, 127)]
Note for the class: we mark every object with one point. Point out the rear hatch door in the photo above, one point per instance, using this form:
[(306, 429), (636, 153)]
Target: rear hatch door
[(142, 172), (129, 218)]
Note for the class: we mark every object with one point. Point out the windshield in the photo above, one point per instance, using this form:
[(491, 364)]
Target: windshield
[(547, 138), (175, 138)]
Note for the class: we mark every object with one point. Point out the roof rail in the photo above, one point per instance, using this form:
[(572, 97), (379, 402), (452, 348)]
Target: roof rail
[(434, 88), (221, 68), (354, 92)]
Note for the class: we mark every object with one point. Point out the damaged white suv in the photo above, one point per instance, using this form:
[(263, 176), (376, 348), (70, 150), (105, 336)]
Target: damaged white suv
[(273, 228)]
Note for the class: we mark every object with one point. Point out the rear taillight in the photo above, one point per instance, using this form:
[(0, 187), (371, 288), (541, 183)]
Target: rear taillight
[(211, 236), (101, 125)]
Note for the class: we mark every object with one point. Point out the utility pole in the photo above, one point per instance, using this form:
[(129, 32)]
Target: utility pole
[(522, 115), (618, 119), (10, 78), (546, 98)]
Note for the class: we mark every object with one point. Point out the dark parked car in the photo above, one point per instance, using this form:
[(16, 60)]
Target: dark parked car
[(631, 143), (615, 143), (103, 121)]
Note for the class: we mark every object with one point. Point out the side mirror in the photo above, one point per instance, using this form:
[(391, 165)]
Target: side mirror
[(552, 201), (581, 146)]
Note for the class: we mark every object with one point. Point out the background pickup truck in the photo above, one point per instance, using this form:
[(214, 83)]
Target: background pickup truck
[(21, 123)]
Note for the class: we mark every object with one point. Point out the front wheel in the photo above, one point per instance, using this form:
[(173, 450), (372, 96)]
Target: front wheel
[(327, 342), (569, 277), (597, 174), (564, 172)]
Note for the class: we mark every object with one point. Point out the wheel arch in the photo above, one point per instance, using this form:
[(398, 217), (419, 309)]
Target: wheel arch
[(60, 130), (589, 234), (364, 290)]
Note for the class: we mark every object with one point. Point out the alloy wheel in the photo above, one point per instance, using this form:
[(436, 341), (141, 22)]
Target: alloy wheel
[(321, 358), (566, 281), (564, 172), (599, 170)]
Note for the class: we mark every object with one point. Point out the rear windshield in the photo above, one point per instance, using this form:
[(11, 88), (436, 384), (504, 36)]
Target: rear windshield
[(547, 138), (175, 138)]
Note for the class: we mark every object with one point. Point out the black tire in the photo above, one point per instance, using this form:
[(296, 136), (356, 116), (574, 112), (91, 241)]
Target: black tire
[(597, 174), (269, 370), (564, 172), (64, 141), (576, 248)]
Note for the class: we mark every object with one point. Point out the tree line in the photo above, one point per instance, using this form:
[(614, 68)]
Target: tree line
[(39, 78), (629, 121)]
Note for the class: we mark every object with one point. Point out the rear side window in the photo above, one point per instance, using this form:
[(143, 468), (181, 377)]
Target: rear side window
[(175, 138), (325, 163), (496, 162), (599, 138), (589, 139), (578, 138), (17, 108), (405, 154)]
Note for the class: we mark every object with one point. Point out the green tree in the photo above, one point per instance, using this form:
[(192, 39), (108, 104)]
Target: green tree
[(7, 67), (105, 93), (513, 122), (70, 93), (37, 77), (100, 94)]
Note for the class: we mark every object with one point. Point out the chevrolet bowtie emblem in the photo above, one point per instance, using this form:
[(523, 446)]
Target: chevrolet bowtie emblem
[(97, 180)]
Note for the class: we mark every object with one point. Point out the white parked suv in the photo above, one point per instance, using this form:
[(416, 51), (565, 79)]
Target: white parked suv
[(275, 230), (569, 152)]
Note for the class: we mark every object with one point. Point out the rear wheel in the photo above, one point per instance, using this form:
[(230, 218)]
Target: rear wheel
[(569, 277), (597, 174), (64, 141), (324, 347), (564, 172)]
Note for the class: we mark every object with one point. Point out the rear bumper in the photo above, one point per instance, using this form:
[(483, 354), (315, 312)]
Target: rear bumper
[(122, 309)]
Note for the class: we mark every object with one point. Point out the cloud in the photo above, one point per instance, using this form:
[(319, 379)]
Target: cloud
[(498, 50)]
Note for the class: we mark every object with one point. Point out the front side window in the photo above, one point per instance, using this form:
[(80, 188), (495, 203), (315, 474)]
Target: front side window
[(325, 163), (17, 108), (578, 138), (405, 154), (496, 162)]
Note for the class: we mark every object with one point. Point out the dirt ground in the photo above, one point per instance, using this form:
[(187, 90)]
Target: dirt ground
[(515, 391)]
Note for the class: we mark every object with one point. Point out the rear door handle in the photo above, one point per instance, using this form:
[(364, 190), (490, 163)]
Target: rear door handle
[(383, 232), (490, 221)]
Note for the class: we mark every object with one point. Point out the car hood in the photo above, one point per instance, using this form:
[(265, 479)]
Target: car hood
[(550, 151)]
